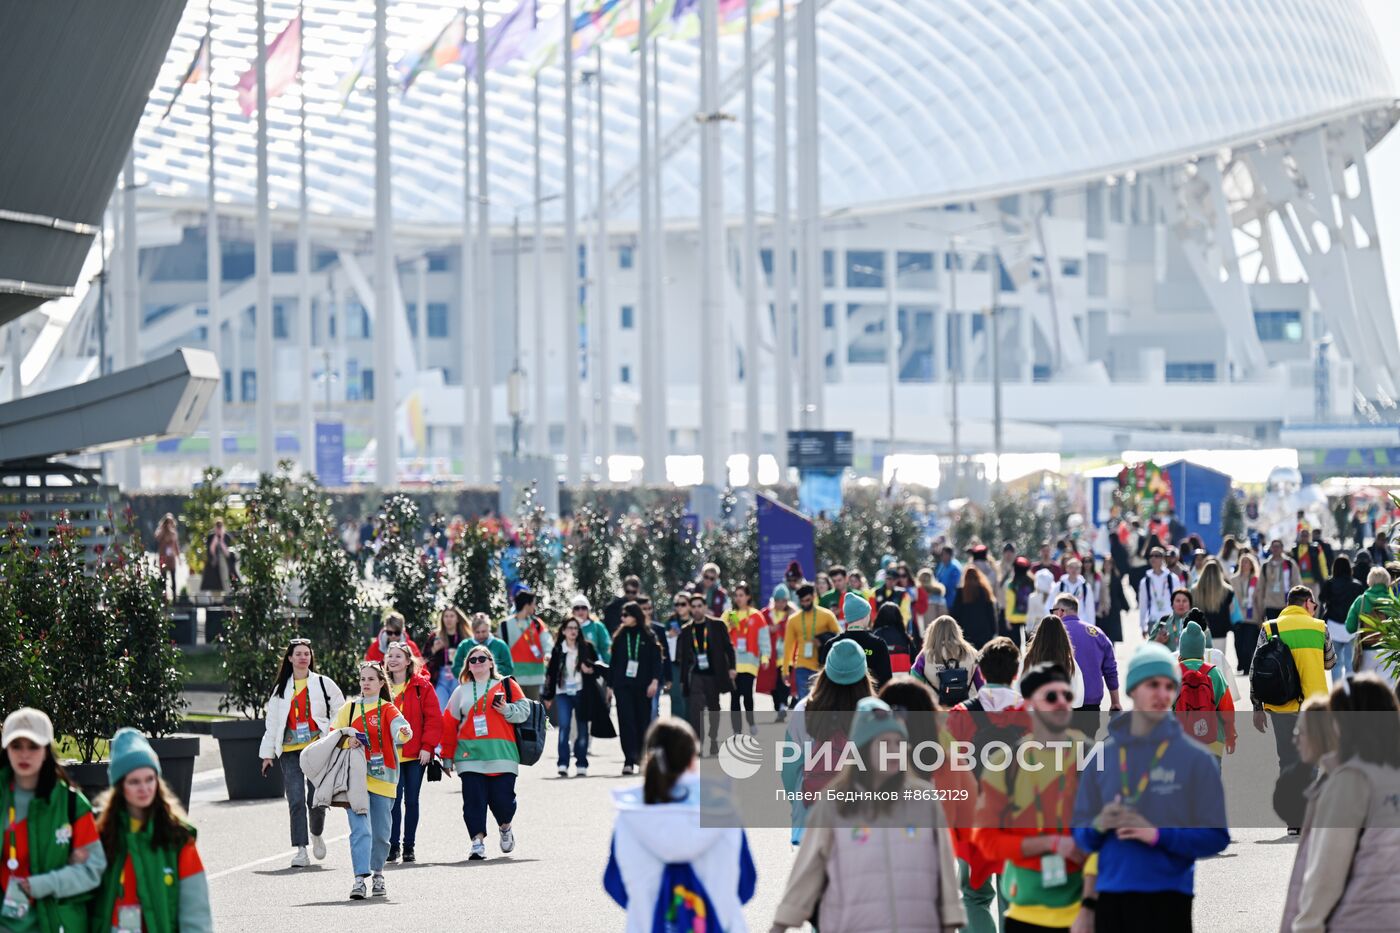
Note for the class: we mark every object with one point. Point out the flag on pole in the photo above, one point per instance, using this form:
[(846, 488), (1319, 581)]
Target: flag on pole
[(283, 62), (506, 41), (346, 85), (442, 51), (197, 72)]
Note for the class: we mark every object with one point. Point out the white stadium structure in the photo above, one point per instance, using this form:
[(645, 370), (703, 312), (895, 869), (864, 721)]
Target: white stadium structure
[(1160, 208)]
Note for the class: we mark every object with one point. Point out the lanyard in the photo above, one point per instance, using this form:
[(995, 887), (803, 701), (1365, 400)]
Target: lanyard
[(632, 644), (1146, 775), (482, 698), (810, 626), (696, 638), (12, 834), (365, 722)]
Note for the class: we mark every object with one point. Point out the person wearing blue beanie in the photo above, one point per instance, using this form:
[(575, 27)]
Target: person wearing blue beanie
[(1153, 808), (130, 750), (874, 651)]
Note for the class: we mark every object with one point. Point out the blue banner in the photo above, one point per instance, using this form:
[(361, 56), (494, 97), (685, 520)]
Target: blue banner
[(330, 453), (784, 536), (819, 492)]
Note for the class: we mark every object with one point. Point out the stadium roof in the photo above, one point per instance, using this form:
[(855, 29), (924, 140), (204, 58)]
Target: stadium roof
[(922, 101)]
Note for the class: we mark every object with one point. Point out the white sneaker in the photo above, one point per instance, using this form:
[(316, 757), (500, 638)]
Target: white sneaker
[(580, 772), (507, 840), (753, 730), (359, 892), (563, 772), (377, 889), (299, 860), (478, 850), (318, 847)]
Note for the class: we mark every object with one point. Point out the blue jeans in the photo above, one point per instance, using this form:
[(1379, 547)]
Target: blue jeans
[(1344, 659), (406, 804), (480, 791), (369, 836), (568, 712), (802, 676), (445, 685)]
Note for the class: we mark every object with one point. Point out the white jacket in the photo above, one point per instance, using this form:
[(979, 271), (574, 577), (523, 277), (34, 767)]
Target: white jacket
[(326, 701), (338, 776)]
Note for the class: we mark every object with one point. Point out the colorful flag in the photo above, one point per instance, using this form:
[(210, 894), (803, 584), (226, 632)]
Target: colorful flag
[(506, 41), (442, 51), (197, 72), (346, 86), (283, 61)]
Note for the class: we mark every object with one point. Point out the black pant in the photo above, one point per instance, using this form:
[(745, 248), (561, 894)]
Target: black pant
[(1143, 912), (780, 693), (702, 702), (1246, 637), (633, 717), (1020, 926), (741, 696)]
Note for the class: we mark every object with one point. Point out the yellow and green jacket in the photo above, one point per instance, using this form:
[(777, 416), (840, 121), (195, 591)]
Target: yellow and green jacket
[(1312, 651)]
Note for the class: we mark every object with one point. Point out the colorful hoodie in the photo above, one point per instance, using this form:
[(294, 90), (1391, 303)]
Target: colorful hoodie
[(669, 872), (1183, 798), (748, 632)]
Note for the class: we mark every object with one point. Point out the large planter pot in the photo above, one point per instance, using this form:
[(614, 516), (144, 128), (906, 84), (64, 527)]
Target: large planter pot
[(214, 619), (177, 754), (238, 750), (91, 778), (183, 623)]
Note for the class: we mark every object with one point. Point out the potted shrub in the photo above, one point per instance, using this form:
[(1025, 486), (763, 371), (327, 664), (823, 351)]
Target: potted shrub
[(155, 678), (251, 644)]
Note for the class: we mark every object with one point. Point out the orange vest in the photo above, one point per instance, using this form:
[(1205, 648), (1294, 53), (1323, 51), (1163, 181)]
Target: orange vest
[(379, 721), (529, 648)]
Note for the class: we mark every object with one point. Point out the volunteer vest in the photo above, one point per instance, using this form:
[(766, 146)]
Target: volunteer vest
[(157, 880), (498, 744), (528, 648), (47, 817), (745, 629), (383, 743)]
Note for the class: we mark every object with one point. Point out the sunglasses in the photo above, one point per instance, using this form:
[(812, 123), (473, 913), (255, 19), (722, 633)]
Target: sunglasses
[(580, 609), (682, 605), (299, 641), (1055, 696), (479, 659), (709, 577)]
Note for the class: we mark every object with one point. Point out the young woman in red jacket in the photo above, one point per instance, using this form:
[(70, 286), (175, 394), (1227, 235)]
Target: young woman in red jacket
[(416, 699)]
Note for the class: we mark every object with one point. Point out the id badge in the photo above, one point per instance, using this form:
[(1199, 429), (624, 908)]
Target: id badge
[(807, 650), (535, 650), (479, 725), (129, 919), (702, 661), (376, 766), (1052, 871), (303, 732), (632, 668), (16, 901)]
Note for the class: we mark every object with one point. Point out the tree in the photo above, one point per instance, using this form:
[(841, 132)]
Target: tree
[(208, 502), (590, 555), (1232, 516), (330, 595), (254, 638), (403, 564), (536, 565), (477, 584), (637, 557), (27, 615), (676, 550)]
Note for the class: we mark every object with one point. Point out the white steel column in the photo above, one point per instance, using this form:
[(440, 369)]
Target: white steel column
[(752, 428), (540, 412), (466, 303), (306, 406), (15, 332), (385, 383), (891, 339), (782, 248), (648, 363), (660, 430), (485, 311), (420, 274), (602, 375), (263, 364), (809, 265), (214, 272), (573, 439), (714, 320)]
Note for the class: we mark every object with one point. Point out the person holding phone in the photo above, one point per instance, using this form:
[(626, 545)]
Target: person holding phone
[(478, 735)]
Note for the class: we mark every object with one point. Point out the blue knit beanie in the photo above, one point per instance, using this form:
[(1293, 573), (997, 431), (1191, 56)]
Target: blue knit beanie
[(782, 592), (855, 609), (130, 752), (845, 663), (874, 718), (1151, 659)]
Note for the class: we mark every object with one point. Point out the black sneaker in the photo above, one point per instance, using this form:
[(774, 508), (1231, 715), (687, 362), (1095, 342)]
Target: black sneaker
[(408, 855), (393, 854), (714, 748)]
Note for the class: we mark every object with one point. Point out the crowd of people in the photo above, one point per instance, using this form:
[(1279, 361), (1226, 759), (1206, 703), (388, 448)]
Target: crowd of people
[(959, 651)]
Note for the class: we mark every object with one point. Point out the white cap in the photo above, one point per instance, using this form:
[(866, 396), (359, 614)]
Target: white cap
[(581, 602), (27, 723)]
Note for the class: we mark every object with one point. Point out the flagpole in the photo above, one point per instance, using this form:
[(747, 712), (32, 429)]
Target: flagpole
[(306, 406), (485, 342), (586, 247), (385, 382), (262, 262), (809, 220), (129, 460), (213, 258), (649, 365), (573, 441), (752, 428), (602, 442), (660, 428), (714, 354), (541, 410), (466, 301), (782, 248)]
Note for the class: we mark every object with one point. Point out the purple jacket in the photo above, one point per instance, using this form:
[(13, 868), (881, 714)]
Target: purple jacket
[(1093, 655)]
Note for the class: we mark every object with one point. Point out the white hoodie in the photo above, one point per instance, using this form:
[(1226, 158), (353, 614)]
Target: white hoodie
[(1038, 605), (647, 838)]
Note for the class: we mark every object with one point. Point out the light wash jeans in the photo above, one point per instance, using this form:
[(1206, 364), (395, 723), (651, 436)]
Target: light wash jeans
[(445, 685), (369, 835), (1344, 665)]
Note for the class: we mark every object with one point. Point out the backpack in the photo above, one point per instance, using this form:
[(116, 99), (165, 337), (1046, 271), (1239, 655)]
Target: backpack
[(682, 903), (1273, 675), (988, 732), (1197, 701), (953, 685), (529, 735)]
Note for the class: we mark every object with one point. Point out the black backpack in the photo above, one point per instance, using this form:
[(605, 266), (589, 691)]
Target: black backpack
[(953, 685), (1273, 675), (529, 735)]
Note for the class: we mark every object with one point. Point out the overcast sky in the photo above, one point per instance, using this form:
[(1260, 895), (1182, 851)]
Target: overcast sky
[(1385, 158)]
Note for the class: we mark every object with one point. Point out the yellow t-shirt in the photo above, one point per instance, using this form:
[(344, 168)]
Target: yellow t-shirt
[(350, 713), (396, 691), (299, 699)]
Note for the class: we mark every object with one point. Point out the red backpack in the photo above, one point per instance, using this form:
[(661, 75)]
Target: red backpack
[(1197, 701)]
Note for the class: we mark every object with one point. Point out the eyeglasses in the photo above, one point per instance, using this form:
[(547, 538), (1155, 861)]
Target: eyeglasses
[(479, 659)]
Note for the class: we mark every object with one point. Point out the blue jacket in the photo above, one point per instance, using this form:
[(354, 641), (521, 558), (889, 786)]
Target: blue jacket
[(950, 575), (1184, 800)]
